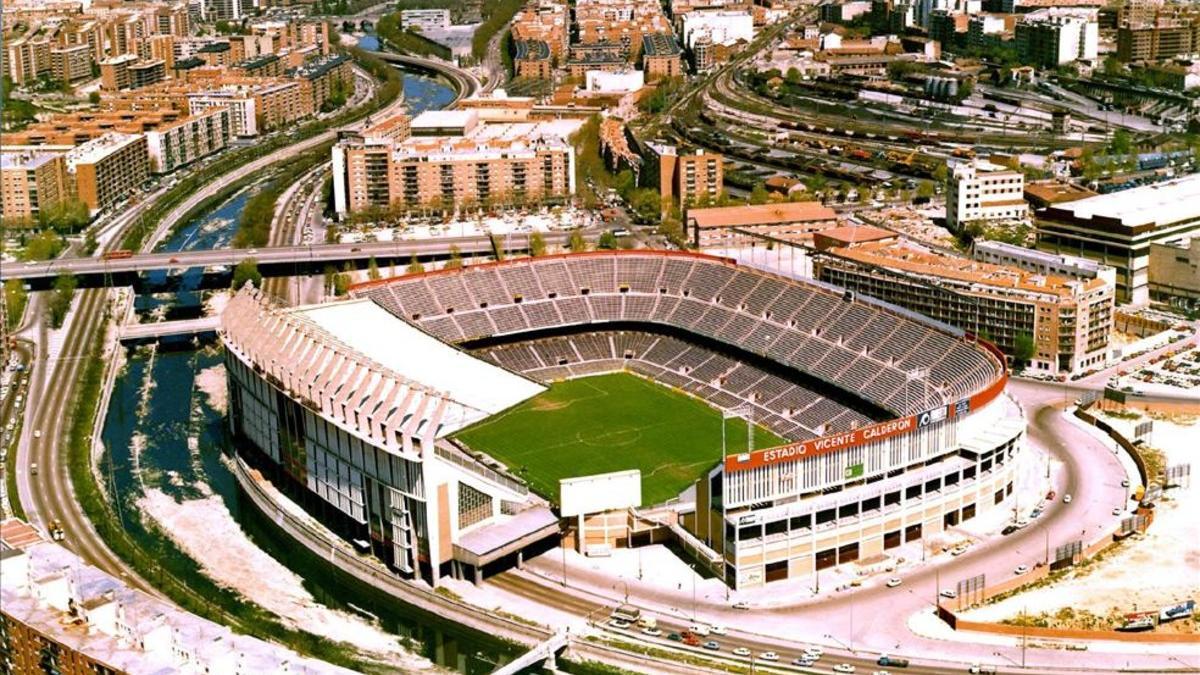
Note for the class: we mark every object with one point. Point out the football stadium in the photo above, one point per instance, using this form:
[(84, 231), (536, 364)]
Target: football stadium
[(456, 421)]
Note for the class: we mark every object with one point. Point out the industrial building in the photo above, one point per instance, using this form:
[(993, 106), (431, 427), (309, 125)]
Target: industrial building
[(978, 190), (1118, 229)]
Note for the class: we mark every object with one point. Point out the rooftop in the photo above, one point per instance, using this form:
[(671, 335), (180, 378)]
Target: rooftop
[(907, 257), (659, 44), (760, 214), (1055, 192), (1156, 205), (99, 148), (24, 160)]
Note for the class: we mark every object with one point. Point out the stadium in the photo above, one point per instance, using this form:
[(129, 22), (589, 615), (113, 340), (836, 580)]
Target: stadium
[(456, 421)]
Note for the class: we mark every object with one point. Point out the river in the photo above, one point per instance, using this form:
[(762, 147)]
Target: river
[(165, 466)]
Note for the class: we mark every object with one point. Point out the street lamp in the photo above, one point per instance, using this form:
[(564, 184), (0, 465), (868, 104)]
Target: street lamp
[(625, 584)]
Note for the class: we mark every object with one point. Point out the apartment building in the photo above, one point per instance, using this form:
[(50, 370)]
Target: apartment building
[(979, 190), (71, 64), (545, 21), (533, 59), (109, 169), (147, 72), (1041, 262), (661, 56), (31, 180), (1164, 39), (267, 65), (114, 72), (27, 56), (452, 158), (1052, 37), (323, 76), (720, 26), (182, 142), (687, 177), (241, 103), (619, 22), (1068, 320), (1118, 229)]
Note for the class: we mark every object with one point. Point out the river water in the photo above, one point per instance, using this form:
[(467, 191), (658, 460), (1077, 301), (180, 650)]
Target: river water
[(165, 466)]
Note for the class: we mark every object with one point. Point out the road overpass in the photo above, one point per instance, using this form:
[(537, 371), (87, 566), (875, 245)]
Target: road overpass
[(465, 83), (135, 332), (273, 261)]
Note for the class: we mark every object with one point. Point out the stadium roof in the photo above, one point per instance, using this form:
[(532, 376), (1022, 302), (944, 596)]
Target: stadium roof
[(413, 354)]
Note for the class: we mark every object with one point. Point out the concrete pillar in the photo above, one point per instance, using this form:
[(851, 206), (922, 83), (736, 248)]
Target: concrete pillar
[(520, 559), (476, 575)]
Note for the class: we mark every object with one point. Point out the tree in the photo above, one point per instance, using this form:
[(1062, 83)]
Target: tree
[(66, 216), (43, 246), (794, 76), (608, 240), (646, 205), (89, 242), (15, 297), (537, 244), (941, 173), (246, 270), (577, 243), (1122, 142), (372, 269), (414, 266), (94, 98), (925, 189), (759, 194), (1112, 65), (454, 262), (1023, 350), (60, 298)]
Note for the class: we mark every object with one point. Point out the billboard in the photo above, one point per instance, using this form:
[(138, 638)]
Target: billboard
[(599, 492)]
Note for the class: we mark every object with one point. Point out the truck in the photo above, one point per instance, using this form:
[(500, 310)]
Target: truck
[(892, 661), (626, 613), (118, 254), (647, 622)]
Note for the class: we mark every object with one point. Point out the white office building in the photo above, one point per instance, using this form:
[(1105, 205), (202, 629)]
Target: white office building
[(720, 26), (979, 190), (1055, 36)]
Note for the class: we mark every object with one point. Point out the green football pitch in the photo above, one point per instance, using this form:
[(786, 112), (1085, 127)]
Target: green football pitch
[(611, 422)]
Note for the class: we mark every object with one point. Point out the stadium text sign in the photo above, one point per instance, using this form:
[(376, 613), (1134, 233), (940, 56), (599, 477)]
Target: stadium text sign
[(821, 446)]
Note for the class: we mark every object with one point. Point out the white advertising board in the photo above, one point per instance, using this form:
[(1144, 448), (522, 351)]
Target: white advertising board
[(600, 492)]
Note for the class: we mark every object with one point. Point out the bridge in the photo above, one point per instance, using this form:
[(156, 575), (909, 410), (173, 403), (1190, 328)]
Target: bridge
[(276, 261), (544, 651), (135, 332), (464, 82)]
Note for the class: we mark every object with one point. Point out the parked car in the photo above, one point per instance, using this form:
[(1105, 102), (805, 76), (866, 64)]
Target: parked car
[(1021, 569), (894, 582), (1066, 499), (949, 593)]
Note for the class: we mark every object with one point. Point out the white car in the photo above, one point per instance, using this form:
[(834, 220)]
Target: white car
[(618, 623), (949, 593), (814, 653), (1021, 569), (894, 582), (741, 604), (1125, 483), (1117, 511), (37, 433), (769, 656), (718, 630), (652, 632), (843, 668), (741, 651), (958, 550), (1066, 499)]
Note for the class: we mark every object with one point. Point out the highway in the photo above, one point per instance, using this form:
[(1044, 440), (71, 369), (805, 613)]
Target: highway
[(273, 261)]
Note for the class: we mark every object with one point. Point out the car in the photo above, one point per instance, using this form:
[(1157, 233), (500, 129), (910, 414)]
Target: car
[(814, 653), (1021, 523), (741, 604), (1066, 499), (718, 630), (699, 629), (880, 672), (843, 668), (894, 582), (1125, 483), (1050, 495), (712, 645), (949, 593), (619, 623), (674, 637), (769, 656), (691, 640), (803, 662), (1021, 569), (1117, 511), (37, 433), (1008, 529), (652, 632), (741, 651), (1035, 513), (173, 260), (252, 251), (958, 550), (33, 469)]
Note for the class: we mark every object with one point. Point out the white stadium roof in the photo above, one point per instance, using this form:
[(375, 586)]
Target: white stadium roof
[(415, 355)]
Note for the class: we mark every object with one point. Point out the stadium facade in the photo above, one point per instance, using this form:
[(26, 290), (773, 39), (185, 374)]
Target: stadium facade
[(897, 425)]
